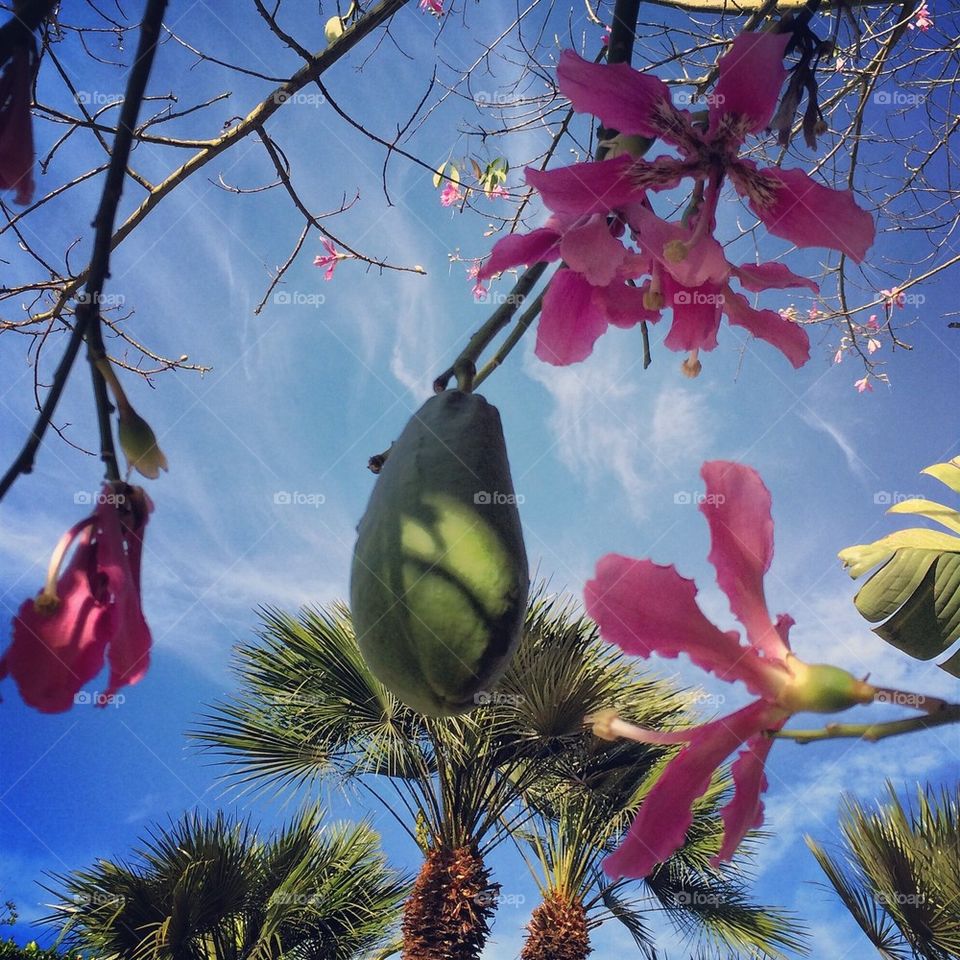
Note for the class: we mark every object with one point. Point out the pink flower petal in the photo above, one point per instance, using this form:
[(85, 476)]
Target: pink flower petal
[(788, 337), (623, 306), (666, 813), (591, 251), (570, 321), (646, 608), (521, 249), (745, 811), (53, 655), (586, 188), (623, 98), (737, 508), (751, 75), (757, 277), (696, 315), (794, 207), (16, 124)]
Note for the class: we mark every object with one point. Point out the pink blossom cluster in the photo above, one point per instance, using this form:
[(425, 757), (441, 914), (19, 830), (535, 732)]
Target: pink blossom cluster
[(676, 265)]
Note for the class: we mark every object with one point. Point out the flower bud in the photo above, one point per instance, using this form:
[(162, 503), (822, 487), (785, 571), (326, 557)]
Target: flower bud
[(821, 688), (139, 443)]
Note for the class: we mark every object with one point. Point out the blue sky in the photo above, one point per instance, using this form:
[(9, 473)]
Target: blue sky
[(300, 396)]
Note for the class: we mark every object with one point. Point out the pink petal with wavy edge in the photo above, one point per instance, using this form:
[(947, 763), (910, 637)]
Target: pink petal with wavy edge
[(745, 811), (757, 277), (591, 251), (696, 315), (570, 321), (623, 98), (788, 337), (751, 75), (666, 813), (807, 213), (623, 305), (522, 249), (646, 608), (737, 508), (586, 188), (53, 655), (16, 124), (129, 651)]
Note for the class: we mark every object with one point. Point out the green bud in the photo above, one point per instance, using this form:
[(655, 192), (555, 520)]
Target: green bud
[(821, 688), (139, 443)]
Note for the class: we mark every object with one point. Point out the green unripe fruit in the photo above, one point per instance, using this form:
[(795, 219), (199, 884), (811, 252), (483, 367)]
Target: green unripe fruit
[(438, 589)]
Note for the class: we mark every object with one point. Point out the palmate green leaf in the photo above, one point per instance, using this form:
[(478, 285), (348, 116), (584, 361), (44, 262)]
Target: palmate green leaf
[(916, 590)]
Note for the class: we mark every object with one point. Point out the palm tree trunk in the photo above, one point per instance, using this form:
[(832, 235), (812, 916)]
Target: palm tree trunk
[(447, 914), (557, 931)]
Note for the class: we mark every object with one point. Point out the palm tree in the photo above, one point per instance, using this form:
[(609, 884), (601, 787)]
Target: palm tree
[(208, 888), (310, 708), (898, 873)]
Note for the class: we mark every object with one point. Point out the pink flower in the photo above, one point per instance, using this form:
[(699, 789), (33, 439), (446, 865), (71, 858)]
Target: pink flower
[(789, 203), (864, 385), (873, 323), (646, 608), (329, 260), (89, 612), (585, 296), (873, 345), (497, 192), (16, 127), (479, 291), (838, 356), (450, 195), (432, 6), (922, 19)]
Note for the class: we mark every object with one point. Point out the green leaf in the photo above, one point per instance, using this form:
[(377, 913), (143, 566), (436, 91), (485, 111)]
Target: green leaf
[(931, 510), (916, 590), (438, 176), (947, 473), (893, 584), (930, 619), (454, 175), (865, 556)]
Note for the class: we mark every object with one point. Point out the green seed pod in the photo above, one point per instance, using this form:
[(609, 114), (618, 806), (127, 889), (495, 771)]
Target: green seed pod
[(439, 583)]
